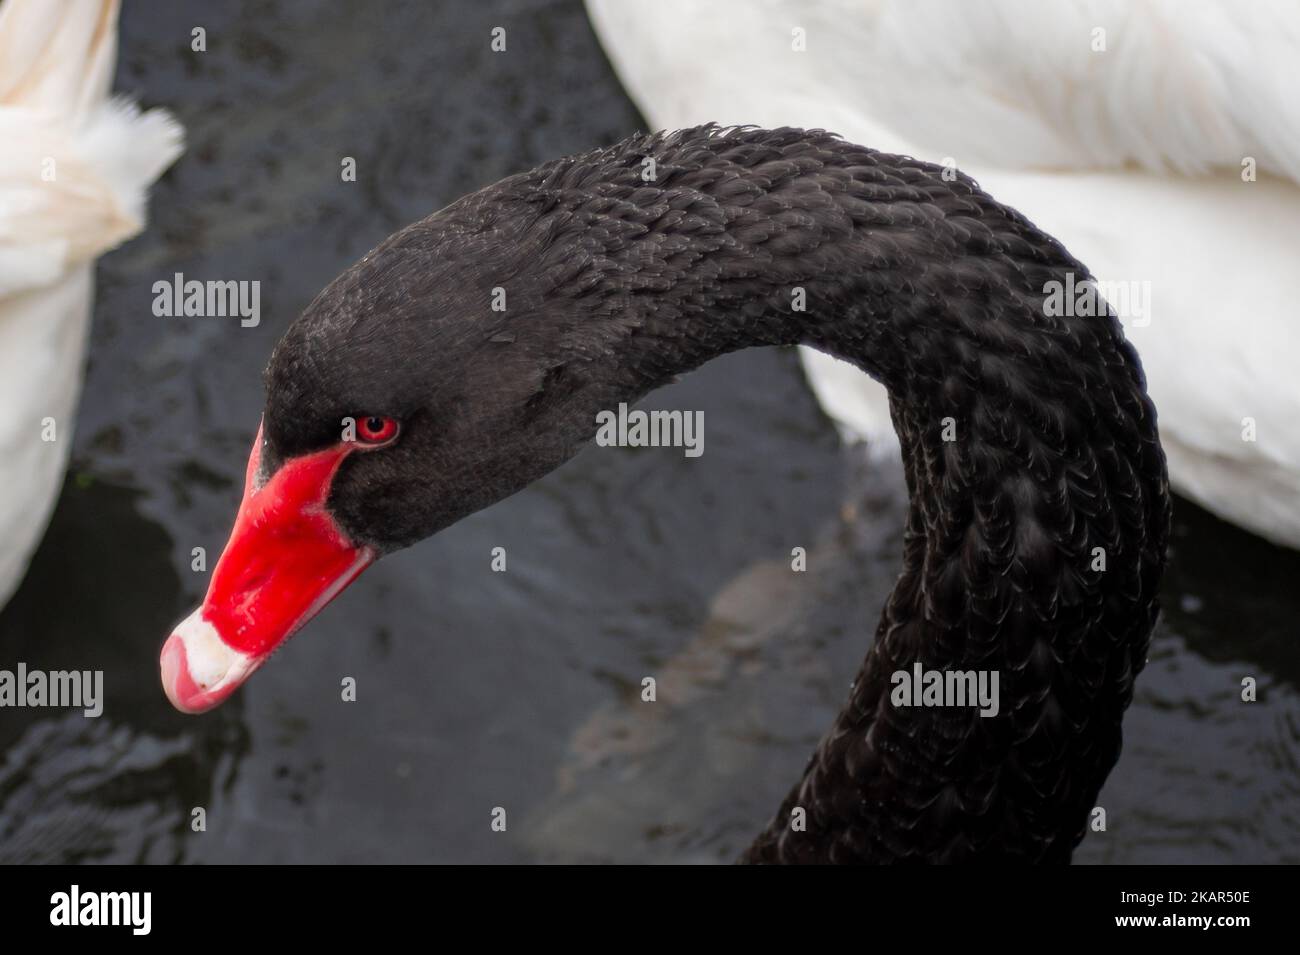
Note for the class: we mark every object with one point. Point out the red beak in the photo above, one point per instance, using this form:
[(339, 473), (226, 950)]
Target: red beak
[(285, 560)]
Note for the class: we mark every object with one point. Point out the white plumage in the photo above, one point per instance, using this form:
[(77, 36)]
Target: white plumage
[(75, 166), (1132, 155)]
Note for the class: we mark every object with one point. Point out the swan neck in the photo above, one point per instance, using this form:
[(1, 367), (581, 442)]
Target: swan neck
[(1038, 511)]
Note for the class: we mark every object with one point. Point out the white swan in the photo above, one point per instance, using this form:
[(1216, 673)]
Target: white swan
[(74, 168), (1126, 129)]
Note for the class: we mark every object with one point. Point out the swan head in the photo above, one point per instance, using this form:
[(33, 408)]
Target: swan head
[(438, 375)]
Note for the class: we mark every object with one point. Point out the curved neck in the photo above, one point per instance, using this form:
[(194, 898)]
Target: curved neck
[(1039, 506)]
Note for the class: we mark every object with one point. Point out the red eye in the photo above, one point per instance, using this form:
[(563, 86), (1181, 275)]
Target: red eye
[(376, 430)]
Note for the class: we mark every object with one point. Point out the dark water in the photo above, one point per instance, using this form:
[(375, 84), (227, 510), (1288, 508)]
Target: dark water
[(518, 690)]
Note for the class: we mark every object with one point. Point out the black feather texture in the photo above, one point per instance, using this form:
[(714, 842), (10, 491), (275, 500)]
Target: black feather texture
[(620, 273)]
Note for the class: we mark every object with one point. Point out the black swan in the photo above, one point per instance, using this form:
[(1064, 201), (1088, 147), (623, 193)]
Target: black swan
[(470, 354)]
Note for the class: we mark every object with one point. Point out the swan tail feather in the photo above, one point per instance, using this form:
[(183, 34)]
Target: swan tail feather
[(76, 165), (57, 56)]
